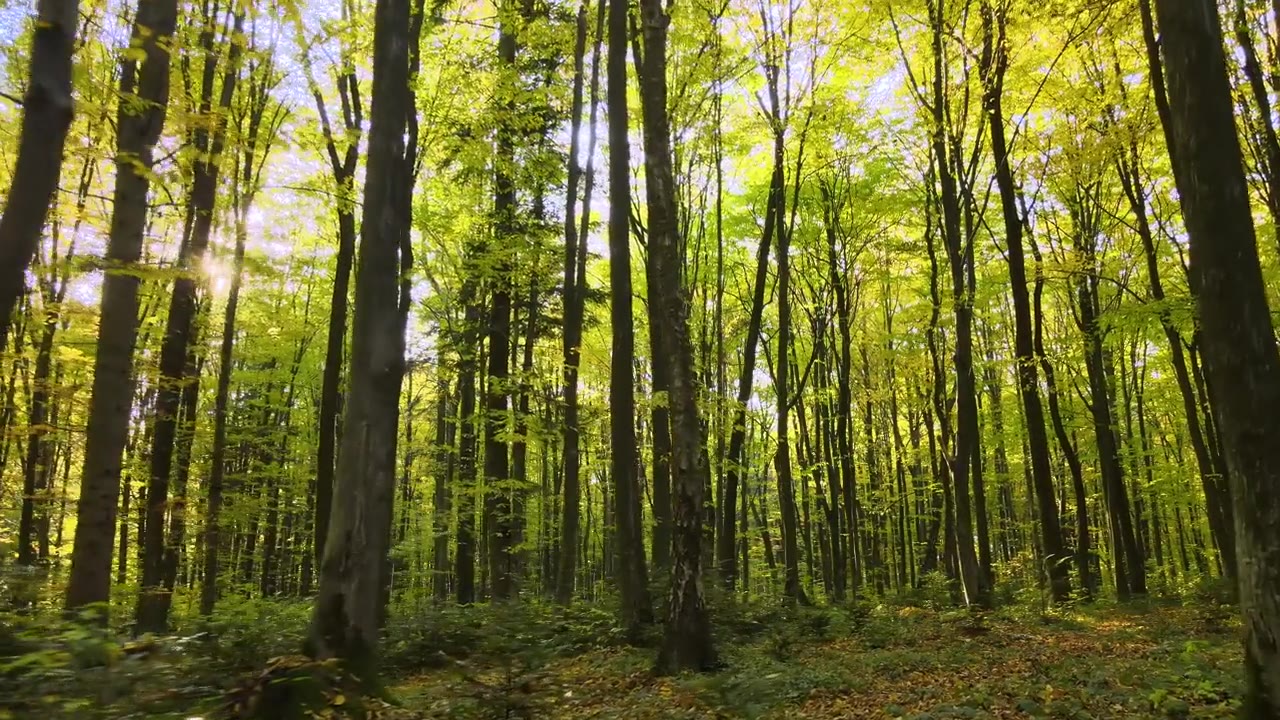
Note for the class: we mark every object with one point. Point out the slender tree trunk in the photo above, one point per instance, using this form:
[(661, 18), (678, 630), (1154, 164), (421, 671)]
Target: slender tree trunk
[(1214, 485), (737, 469), (35, 466), (343, 169), (497, 494), (575, 306), (960, 259), (442, 499), (686, 643), (995, 62), (247, 183), (632, 576), (1085, 213), (465, 551), (180, 326), (218, 462)]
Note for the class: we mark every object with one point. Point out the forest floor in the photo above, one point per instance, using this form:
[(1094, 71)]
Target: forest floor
[(1154, 661)]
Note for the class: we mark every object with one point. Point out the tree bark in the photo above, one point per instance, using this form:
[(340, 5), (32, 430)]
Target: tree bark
[(960, 259), (1213, 483), (497, 494), (246, 186), (152, 609), (343, 167), (738, 470), (575, 267)]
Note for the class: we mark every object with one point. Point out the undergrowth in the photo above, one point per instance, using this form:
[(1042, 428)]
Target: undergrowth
[(914, 657)]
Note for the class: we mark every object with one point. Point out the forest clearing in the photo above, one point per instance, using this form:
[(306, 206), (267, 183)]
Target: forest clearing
[(639, 358)]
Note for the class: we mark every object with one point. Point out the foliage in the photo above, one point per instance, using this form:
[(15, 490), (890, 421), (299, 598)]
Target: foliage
[(70, 669), (858, 135)]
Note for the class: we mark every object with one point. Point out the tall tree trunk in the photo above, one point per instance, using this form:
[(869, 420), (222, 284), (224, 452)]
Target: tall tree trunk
[(152, 610), (686, 643), (960, 259), (349, 608), (1214, 485), (1085, 214), (660, 416), (737, 470), (782, 456), (246, 186), (464, 557), (497, 494), (343, 168), (727, 538), (994, 63), (1239, 340), (575, 256), (41, 417), (144, 90), (631, 575), (442, 499), (218, 461)]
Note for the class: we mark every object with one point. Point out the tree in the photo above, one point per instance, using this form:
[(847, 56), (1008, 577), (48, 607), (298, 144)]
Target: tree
[(687, 641), (176, 380), (1239, 340), (631, 574), (994, 66), (144, 93), (960, 257), (343, 162), (349, 609), (575, 298)]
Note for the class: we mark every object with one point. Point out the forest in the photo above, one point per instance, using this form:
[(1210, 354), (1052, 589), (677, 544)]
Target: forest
[(639, 359)]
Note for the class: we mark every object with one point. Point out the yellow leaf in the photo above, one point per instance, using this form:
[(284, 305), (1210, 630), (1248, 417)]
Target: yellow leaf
[(339, 699)]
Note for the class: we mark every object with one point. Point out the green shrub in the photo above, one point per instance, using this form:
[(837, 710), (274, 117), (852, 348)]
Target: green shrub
[(54, 668), (444, 635)]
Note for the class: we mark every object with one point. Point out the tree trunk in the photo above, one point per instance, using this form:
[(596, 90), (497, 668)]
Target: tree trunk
[(575, 292), (1085, 214), (631, 575), (442, 499), (1239, 340), (995, 62), (144, 90), (1214, 485), (152, 610), (344, 170), (349, 608), (497, 494), (246, 186), (738, 470), (960, 259), (686, 643)]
